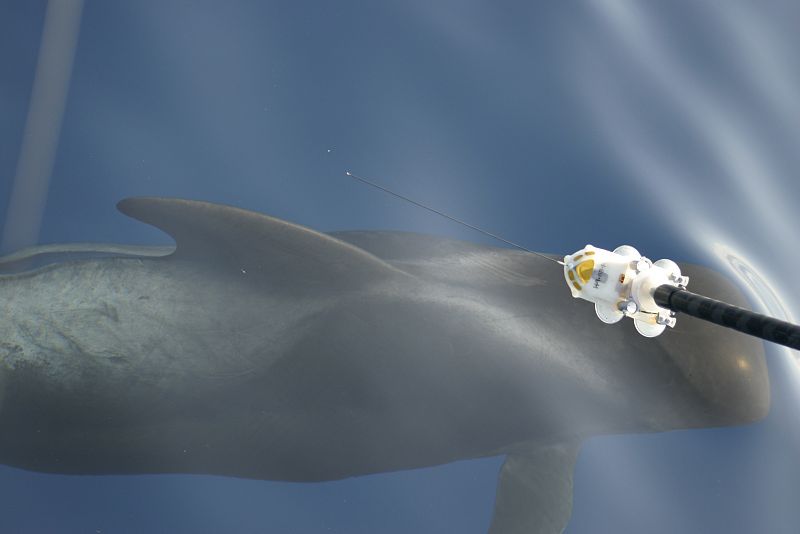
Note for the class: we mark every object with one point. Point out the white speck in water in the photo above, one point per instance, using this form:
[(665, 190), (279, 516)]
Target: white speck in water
[(244, 272)]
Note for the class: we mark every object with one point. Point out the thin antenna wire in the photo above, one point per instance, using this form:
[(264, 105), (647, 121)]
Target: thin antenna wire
[(446, 216)]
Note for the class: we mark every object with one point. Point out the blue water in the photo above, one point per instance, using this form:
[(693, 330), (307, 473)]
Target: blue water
[(673, 128)]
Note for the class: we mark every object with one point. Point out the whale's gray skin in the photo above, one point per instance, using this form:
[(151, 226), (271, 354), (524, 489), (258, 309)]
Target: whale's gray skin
[(266, 350)]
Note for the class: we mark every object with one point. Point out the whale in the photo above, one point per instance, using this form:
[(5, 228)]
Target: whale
[(259, 348)]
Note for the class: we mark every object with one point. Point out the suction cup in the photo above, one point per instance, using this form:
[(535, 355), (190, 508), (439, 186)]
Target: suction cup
[(648, 329), (607, 314), (627, 251)]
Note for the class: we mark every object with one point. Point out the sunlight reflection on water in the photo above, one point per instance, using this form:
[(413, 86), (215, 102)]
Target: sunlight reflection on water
[(761, 291), (730, 183)]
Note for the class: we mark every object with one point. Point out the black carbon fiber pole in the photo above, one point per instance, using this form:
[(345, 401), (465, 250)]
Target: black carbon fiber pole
[(728, 315)]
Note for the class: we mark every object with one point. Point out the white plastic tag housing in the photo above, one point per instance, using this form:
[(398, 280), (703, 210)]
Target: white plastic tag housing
[(621, 283)]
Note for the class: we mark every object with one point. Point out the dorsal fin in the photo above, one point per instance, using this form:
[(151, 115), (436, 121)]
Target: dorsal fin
[(245, 242)]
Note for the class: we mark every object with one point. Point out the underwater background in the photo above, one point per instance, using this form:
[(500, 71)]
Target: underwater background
[(673, 127)]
